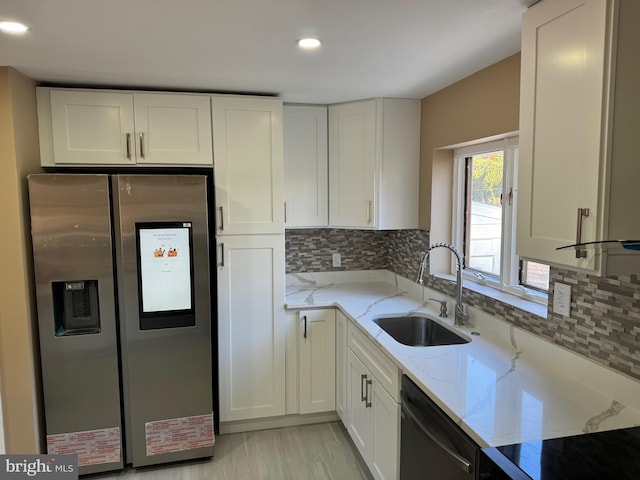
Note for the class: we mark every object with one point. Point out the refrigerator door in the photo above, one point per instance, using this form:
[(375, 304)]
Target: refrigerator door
[(162, 256), (72, 251)]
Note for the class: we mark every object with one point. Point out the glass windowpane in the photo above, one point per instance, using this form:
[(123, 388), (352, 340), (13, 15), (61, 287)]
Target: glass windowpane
[(535, 275), (484, 234)]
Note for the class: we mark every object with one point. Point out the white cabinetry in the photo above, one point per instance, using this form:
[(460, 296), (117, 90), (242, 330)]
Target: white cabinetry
[(341, 366), (359, 423), (251, 326), (305, 166), (316, 334), (373, 405), (578, 146), (247, 140), (374, 156), (94, 127), (249, 169)]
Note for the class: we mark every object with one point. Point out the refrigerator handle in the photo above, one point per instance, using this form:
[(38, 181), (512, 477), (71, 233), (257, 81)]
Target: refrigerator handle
[(222, 254)]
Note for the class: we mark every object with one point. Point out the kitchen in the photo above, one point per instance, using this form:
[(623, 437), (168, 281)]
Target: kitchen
[(490, 89)]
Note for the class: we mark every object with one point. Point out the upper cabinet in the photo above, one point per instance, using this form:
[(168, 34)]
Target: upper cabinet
[(305, 166), (94, 127), (578, 133), (374, 162), (249, 166)]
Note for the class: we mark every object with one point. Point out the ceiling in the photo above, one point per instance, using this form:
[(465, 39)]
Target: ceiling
[(371, 48)]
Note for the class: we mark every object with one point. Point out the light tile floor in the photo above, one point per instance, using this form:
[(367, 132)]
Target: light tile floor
[(309, 452)]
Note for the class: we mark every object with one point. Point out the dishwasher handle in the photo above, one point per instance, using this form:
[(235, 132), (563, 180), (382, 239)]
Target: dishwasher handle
[(460, 461)]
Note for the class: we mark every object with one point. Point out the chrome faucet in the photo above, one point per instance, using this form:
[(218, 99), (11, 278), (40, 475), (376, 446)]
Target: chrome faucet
[(460, 316)]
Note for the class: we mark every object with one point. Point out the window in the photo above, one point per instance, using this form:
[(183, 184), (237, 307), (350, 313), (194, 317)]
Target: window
[(485, 215)]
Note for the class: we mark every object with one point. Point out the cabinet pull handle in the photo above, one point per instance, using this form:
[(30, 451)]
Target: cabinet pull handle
[(368, 211), (305, 327), (221, 218), (285, 212), (367, 401), (142, 153), (222, 254), (581, 252), (363, 397), (128, 146)]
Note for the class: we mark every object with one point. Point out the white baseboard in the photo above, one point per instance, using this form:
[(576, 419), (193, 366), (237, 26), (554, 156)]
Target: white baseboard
[(276, 422)]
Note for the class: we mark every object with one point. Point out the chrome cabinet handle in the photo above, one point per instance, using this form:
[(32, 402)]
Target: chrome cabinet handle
[(459, 460), (221, 218), (580, 252), (367, 401), (285, 212), (363, 397), (368, 211), (142, 152), (222, 254), (304, 335), (128, 137)]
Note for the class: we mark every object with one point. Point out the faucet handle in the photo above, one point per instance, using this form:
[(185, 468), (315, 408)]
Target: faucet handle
[(443, 307), (461, 316)]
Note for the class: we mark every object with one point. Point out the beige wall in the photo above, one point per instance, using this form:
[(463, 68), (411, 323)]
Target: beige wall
[(19, 364), (482, 105)]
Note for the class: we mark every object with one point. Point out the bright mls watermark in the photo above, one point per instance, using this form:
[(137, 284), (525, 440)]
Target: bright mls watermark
[(52, 467)]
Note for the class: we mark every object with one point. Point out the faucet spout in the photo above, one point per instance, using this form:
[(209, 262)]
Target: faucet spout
[(459, 310)]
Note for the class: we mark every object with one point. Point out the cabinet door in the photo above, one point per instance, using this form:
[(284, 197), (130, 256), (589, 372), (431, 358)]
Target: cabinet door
[(173, 129), (249, 168), (359, 416), (92, 127), (317, 379), (386, 434), (352, 164), (251, 326), (562, 92), (341, 366), (305, 166)]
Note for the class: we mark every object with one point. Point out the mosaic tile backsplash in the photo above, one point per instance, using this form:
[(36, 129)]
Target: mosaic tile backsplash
[(605, 312)]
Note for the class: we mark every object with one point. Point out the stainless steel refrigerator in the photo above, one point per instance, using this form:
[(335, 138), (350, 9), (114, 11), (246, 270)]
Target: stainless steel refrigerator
[(123, 296)]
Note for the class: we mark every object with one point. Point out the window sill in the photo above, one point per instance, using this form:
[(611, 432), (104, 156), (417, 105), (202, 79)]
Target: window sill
[(516, 301)]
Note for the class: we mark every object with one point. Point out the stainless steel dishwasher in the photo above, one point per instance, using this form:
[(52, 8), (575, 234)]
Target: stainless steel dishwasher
[(432, 445)]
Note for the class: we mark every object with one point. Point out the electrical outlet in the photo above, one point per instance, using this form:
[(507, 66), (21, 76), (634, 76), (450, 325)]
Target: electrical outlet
[(562, 299), (337, 259)]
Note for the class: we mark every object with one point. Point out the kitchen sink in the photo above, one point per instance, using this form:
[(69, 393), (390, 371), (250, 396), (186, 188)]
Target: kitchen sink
[(418, 331)]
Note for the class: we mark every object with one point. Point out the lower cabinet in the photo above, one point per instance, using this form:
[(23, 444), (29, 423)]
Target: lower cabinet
[(333, 366), (359, 424), (341, 366), (317, 355), (251, 326), (373, 419)]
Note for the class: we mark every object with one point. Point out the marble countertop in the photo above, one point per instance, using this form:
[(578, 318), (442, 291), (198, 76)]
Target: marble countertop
[(506, 386)]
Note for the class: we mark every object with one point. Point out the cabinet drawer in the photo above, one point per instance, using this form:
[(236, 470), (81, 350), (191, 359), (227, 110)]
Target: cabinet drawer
[(375, 360)]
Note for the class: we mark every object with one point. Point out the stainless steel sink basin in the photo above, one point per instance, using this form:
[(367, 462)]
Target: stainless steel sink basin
[(419, 331)]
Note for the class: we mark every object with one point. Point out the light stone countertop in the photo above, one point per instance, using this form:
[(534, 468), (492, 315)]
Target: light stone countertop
[(506, 386)]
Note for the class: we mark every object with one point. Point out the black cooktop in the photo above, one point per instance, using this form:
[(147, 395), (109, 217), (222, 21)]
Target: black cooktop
[(598, 456)]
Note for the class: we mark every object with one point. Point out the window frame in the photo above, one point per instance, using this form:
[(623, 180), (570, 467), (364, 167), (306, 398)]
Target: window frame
[(509, 278)]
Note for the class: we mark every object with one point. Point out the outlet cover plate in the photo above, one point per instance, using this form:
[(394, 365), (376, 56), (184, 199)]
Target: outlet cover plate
[(337, 260), (562, 299)]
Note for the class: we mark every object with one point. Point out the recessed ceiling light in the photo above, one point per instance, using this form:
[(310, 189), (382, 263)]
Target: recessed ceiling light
[(12, 27), (308, 43)]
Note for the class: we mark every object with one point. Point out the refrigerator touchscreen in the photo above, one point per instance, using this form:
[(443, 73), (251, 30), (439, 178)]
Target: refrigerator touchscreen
[(165, 268), (165, 274)]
